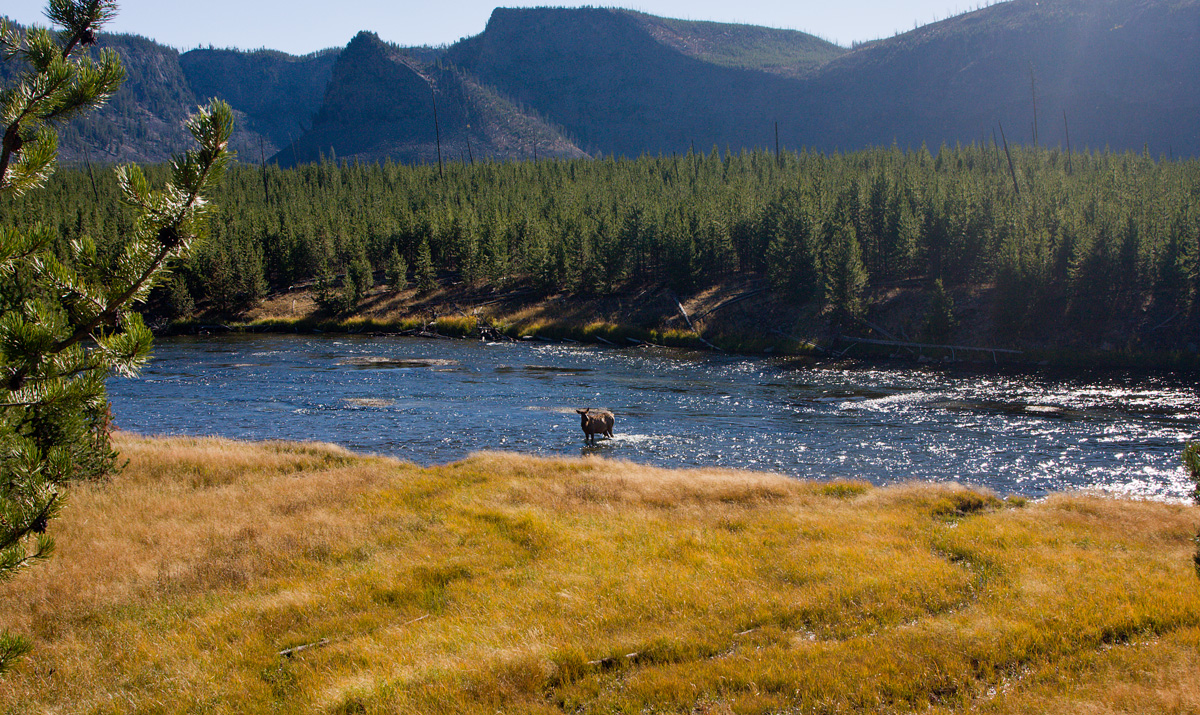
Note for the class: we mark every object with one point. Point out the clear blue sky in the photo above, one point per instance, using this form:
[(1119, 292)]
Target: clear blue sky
[(303, 26)]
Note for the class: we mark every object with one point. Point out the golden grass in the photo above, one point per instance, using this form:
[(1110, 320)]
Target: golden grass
[(514, 584), (458, 326)]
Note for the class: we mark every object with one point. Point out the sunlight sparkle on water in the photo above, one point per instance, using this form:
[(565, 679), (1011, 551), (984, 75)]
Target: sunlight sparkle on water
[(437, 401)]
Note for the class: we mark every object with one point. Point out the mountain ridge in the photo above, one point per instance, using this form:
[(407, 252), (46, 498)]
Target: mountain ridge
[(382, 103), (1120, 74), (588, 73)]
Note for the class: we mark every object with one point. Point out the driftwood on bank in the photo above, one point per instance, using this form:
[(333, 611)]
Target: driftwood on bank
[(643, 343), (683, 312)]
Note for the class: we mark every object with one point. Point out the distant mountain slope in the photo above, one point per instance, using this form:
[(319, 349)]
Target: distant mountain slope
[(1126, 72), (143, 121), (785, 52), (617, 88), (379, 104), (279, 93)]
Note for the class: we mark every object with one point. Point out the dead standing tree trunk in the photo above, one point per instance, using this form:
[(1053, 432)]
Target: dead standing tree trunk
[(1011, 168)]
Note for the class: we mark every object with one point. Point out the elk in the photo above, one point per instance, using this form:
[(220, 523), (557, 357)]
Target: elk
[(595, 422)]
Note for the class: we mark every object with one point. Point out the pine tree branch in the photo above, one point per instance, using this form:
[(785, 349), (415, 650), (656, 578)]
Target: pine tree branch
[(212, 157), (12, 134), (113, 306), (96, 13), (36, 526)]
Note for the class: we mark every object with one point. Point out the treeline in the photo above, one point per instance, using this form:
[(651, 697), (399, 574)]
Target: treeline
[(1088, 237)]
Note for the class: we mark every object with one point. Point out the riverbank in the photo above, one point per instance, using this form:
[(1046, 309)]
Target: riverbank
[(745, 316), (304, 578), (652, 315)]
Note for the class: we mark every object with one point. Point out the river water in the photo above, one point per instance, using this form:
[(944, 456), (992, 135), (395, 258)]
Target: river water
[(435, 401)]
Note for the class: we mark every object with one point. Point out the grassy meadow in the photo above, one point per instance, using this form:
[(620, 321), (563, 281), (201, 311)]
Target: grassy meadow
[(512, 584)]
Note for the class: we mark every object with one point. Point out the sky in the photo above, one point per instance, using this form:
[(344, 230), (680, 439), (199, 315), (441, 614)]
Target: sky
[(302, 26)]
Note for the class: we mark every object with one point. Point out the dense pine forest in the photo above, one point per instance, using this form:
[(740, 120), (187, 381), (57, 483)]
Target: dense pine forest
[(1093, 242)]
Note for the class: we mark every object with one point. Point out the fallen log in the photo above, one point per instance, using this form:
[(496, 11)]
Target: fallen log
[(683, 312), (877, 329)]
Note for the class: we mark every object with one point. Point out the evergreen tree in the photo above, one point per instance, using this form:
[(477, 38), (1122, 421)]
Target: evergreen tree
[(329, 298), (794, 258), (67, 316), (179, 299), (397, 271), (1178, 270), (426, 279), (847, 278), (360, 278), (940, 321)]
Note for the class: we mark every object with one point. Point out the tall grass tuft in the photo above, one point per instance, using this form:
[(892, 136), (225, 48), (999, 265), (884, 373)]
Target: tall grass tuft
[(457, 326)]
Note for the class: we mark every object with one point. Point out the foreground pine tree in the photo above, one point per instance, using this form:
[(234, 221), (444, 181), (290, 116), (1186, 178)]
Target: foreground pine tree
[(67, 319)]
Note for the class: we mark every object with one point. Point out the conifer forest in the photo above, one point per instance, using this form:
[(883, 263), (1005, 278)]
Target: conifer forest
[(1085, 237)]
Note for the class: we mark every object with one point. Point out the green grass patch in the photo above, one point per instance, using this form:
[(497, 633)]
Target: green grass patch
[(843, 490)]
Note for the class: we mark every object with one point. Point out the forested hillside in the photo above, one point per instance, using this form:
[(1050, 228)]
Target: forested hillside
[(1119, 74), (1064, 250), (144, 120), (785, 52)]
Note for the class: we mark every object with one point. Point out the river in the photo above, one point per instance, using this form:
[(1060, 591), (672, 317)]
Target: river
[(435, 401)]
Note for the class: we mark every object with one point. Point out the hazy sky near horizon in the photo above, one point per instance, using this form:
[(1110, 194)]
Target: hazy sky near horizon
[(303, 26)]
